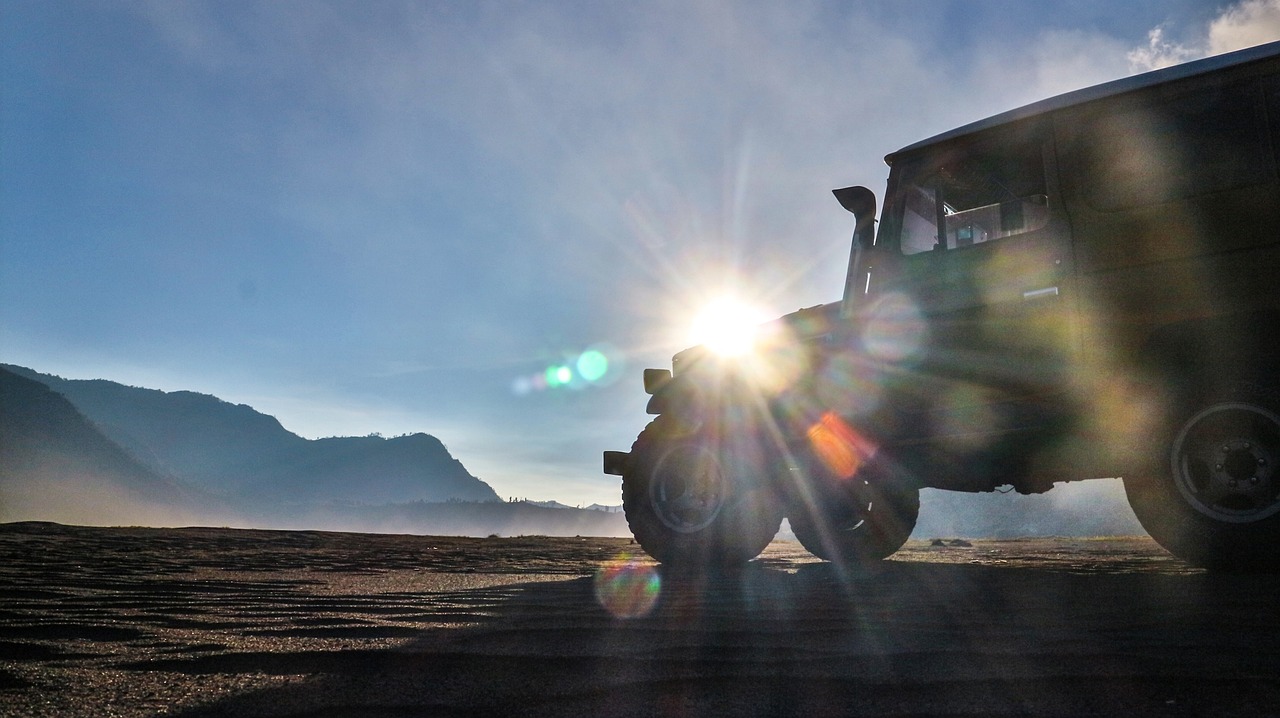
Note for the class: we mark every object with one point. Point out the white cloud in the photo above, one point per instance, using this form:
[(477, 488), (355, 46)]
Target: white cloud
[(1245, 24), (1252, 22), (1160, 52)]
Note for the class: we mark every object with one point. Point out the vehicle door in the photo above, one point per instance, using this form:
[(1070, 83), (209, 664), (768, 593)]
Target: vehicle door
[(977, 247)]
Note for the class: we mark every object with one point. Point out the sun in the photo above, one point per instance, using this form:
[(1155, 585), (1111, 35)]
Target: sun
[(727, 326)]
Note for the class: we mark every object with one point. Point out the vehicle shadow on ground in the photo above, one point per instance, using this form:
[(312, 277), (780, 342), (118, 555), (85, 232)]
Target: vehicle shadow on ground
[(903, 638)]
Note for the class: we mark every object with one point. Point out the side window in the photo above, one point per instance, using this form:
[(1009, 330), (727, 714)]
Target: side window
[(976, 193), (1208, 141)]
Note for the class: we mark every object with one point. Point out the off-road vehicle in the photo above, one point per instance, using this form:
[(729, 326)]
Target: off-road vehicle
[(1088, 286)]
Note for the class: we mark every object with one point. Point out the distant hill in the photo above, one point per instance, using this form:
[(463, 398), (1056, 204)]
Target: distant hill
[(55, 464), (510, 518), (246, 456), (546, 504)]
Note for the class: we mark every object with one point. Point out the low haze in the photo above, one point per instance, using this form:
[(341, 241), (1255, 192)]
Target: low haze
[(481, 220)]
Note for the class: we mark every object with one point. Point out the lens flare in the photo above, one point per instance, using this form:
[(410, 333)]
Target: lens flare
[(839, 446), (728, 326), (598, 365), (559, 376), (521, 385), (895, 329), (969, 417), (628, 587), (777, 362), (851, 382), (592, 365)]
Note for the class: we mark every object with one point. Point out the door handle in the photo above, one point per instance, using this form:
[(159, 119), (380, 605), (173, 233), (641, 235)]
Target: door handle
[(1040, 293)]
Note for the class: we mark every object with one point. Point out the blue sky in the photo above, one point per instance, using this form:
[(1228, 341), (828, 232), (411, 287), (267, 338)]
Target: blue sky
[(392, 216)]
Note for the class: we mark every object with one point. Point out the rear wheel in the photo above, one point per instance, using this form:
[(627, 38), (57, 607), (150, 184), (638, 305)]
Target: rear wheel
[(1214, 498), (860, 522), (697, 499)]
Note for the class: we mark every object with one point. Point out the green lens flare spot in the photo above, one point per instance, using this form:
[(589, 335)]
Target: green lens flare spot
[(558, 375), (592, 365)]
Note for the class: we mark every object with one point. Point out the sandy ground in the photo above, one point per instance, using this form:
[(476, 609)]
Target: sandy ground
[(211, 622)]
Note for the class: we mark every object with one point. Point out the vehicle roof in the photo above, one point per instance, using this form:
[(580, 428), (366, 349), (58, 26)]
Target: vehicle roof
[(1097, 92)]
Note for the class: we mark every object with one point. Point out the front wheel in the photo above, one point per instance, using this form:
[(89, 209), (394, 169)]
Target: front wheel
[(1214, 499), (698, 499), (858, 523)]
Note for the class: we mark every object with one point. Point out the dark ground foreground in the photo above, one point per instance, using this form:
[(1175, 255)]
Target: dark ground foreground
[(205, 622)]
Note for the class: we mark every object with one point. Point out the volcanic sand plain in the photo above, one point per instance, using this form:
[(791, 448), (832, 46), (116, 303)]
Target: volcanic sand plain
[(214, 622)]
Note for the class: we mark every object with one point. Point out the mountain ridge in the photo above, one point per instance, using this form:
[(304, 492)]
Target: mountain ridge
[(54, 460), (234, 451)]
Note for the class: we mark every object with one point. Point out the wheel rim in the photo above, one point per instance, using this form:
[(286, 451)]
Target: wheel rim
[(1224, 462), (687, 489)]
